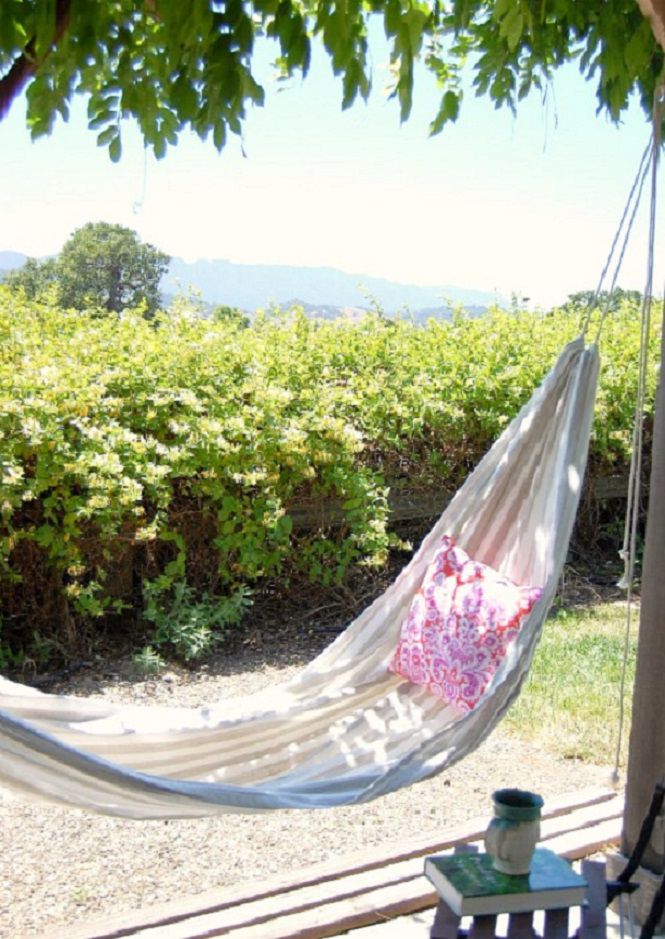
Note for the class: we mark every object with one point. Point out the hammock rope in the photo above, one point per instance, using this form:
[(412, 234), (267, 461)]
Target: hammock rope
[(627, 219)]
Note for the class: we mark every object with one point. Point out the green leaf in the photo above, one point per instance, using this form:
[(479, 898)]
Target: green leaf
[(195, 61), (219, 135), (448, 111), (512, 27), (115, 148)]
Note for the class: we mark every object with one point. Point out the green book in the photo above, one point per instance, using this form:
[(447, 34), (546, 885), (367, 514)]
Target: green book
[(470, 886)]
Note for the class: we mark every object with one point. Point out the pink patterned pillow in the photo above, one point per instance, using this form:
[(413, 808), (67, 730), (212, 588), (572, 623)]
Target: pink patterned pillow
[(460, 626)]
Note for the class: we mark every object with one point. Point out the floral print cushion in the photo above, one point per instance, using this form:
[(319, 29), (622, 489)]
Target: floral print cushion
[(460, 626)]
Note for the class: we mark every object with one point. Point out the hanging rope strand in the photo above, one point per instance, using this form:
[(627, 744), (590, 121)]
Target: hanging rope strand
[(626, 239), (637, 182), (632, 512)]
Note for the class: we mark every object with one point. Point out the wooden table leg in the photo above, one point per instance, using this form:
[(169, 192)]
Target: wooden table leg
[(446, 923), (594, 912), (556, 924), (483, 927), (520, 926)]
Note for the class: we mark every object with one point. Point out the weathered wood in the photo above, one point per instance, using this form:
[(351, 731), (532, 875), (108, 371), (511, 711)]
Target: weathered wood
[(404, 505), (594, 914), (305, 901), (585, 815), (483, 927), (520, 926), (593, 838), (363, 888), (603, 488), (646, 756), (381, 856), (411, 505), (327, 919), (352, 913), (446, 923), (556, 924)]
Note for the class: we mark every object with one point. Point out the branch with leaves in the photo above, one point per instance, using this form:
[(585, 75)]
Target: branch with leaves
[(171, 65), (34, 54)]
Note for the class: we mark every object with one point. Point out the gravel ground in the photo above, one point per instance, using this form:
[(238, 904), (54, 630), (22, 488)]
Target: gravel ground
[(59, 867)]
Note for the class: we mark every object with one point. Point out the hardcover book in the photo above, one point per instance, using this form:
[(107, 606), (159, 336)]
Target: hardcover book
[(471, 886)]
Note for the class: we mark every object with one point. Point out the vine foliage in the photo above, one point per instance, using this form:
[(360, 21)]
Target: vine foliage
[(171, 65)]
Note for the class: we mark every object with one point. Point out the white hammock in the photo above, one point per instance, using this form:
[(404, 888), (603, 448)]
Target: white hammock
[(344, 730)]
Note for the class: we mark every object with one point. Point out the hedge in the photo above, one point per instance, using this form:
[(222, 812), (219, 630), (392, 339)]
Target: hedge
[(140, 458)]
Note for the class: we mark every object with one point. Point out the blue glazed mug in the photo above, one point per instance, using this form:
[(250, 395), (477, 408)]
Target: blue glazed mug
[(514, 832)]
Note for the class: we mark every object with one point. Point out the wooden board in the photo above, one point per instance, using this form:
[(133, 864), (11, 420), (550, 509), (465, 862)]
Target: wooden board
[(357, 890), (413, 505)]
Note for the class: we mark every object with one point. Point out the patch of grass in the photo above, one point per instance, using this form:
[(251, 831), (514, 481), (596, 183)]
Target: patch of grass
[(571, 698)]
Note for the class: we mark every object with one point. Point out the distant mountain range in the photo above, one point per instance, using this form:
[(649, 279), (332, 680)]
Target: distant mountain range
[(322, 291), (250, 286), (11, 259)]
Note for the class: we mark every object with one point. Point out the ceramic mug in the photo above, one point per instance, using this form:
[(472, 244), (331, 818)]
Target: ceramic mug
[(514, 832)]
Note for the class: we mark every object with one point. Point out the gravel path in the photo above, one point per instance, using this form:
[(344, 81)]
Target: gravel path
[(59, 867)]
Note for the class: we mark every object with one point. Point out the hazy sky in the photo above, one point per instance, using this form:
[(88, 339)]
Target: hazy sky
[(524, 205)]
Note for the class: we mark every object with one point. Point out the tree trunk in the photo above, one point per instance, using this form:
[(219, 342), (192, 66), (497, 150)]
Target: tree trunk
[(646, 760)]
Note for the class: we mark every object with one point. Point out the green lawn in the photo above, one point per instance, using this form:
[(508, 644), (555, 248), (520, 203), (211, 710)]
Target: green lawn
[(570, 701)]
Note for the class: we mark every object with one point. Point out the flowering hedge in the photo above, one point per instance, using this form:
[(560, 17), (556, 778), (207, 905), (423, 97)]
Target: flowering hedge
[(170, 451)]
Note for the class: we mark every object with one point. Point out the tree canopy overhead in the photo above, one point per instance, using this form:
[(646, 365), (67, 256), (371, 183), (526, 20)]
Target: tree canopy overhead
[(173, 65)]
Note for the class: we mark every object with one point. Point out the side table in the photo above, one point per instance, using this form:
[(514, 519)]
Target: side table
[(520, 920)]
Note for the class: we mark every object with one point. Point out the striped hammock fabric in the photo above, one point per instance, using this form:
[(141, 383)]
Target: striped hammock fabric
[(346, 729)]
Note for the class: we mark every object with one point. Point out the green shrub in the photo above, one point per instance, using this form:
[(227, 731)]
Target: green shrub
[(173, 451), (187, 625)]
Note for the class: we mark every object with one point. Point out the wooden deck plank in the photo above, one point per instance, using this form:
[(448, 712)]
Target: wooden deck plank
[(329, 919), (578, 818), (301, 900), (575, 846), (350, 912), (345, 876)]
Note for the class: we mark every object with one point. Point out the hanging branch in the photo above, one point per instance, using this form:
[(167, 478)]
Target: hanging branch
[(27, 63)]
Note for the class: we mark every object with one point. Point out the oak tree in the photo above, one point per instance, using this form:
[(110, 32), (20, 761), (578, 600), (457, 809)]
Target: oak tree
[(107, 266)]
